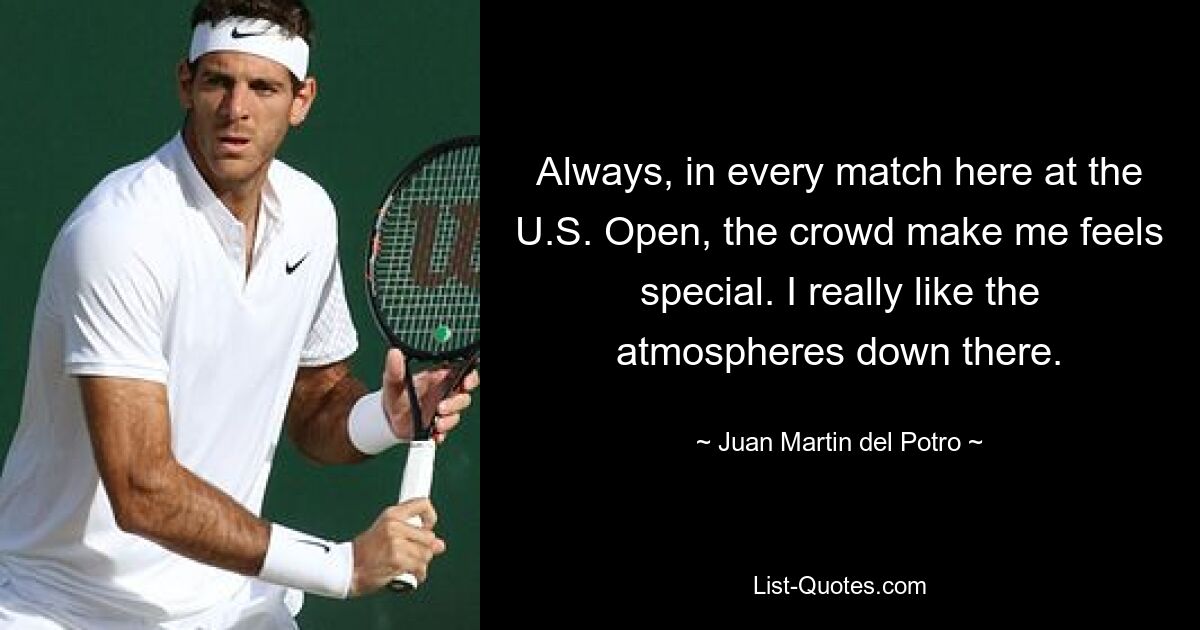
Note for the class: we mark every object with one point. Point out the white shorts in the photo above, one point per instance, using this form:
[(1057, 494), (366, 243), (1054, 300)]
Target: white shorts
[(258, 606)]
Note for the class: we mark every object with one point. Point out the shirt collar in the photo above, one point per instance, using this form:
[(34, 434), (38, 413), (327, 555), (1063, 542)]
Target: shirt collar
[(198, 194)]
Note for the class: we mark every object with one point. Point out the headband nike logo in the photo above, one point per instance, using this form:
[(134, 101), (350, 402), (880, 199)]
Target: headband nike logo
[(289, 268), (239, 35), (315, 544)]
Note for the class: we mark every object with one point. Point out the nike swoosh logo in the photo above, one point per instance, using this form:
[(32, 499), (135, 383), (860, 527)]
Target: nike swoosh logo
[(290, 268), (315, 544), (238, 35)]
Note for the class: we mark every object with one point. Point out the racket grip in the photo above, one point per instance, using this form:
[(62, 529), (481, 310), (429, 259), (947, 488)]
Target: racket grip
[(416, 483)]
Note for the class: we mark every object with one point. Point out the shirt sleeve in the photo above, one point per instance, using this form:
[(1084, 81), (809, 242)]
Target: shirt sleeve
[(111, 297), (332, 337)]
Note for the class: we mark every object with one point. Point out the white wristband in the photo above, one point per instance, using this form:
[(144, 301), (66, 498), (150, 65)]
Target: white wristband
[(369, 429), (308, 563)]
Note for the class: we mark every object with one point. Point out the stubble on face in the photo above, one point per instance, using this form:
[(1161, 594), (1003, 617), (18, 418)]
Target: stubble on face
[(238, 114)]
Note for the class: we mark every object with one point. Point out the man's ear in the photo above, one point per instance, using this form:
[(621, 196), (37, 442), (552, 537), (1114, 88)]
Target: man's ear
[(183, 73), (302, 101)]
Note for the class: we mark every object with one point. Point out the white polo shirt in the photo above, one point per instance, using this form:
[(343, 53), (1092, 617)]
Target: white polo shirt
[(147, 280)]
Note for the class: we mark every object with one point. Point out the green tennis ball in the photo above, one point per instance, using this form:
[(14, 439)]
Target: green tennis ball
[(442, 333)]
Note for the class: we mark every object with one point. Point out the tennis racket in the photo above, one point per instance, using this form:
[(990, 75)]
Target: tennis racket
[(423, 285)]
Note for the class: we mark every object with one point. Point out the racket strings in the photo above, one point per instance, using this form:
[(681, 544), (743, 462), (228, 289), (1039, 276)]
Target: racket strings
[(426, 267)]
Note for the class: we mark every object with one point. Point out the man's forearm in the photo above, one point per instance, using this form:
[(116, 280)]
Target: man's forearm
[(317, 414), (182, 512), (154, 496)]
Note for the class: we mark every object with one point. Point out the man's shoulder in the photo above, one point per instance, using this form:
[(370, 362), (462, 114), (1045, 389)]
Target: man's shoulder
[(295, 186), (124, 211), (303, 201), (143, 185)]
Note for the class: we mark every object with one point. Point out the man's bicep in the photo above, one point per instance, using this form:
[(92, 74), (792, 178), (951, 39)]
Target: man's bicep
[(129, 424), (316, 418), (312, 385)]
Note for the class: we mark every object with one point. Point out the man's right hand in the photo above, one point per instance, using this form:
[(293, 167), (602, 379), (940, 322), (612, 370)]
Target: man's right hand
[(392, 547)]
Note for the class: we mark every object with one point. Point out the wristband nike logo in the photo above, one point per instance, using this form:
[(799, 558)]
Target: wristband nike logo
[(238, 35), (289, 268), (315, 544)]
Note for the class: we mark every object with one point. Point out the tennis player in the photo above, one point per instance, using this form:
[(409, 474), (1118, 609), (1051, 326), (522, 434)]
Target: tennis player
[(192, 305)]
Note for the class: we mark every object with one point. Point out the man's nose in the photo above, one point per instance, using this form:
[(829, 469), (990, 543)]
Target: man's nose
[(234, 105)]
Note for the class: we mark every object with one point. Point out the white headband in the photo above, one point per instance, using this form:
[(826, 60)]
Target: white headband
[(257, 37)]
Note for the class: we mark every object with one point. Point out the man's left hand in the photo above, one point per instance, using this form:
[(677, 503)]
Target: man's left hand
[(427, 383)]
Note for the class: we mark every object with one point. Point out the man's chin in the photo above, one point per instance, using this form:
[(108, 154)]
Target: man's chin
[(233, 169)]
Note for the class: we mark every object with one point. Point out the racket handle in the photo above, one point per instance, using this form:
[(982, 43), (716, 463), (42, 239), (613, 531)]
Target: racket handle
[(417, 482)]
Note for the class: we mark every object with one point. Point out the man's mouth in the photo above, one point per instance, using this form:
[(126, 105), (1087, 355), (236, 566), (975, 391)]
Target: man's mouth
[(234, 143)]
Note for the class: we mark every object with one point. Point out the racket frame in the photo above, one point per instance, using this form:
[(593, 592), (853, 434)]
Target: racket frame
[(469, 352), (376, 308)]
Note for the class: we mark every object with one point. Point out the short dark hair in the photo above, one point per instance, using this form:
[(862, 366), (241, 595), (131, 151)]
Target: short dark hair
[(291, 15)]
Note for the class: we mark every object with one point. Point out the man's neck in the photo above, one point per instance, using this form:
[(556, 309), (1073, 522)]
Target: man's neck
[(241, 198), (242, 202)]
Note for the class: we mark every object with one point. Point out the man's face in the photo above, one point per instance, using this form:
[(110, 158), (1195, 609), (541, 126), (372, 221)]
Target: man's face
[(241, 106)]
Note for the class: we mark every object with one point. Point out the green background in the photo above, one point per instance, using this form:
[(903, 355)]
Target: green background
[(89, 87)]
